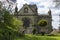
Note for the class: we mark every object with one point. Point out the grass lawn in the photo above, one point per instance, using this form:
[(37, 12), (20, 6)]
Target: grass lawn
[(35, 37)]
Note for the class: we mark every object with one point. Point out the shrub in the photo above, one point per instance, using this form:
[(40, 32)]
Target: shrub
[(42, 23)]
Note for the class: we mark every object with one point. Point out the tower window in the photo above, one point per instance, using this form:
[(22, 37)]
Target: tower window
[(25, 10)]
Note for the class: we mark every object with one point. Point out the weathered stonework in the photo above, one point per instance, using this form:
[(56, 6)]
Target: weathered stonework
[(32, 14)]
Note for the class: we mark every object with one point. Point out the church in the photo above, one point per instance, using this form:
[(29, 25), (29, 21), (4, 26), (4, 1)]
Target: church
[(29, 16)]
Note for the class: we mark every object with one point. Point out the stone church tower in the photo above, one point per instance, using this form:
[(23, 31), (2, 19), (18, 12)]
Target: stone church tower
[(29, 15)]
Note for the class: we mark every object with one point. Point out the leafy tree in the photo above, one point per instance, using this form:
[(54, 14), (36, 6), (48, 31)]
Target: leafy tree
[(11, 21), (9, 29)]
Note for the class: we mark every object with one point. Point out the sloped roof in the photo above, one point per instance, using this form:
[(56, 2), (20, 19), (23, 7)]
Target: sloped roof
[(33, 8)]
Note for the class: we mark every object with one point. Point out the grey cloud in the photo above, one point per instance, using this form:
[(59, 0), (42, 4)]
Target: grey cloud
[(14, 1), (11, 1), (56, 0)]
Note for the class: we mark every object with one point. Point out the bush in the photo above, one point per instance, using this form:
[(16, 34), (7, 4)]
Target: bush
[(42, 23), (34, 31)]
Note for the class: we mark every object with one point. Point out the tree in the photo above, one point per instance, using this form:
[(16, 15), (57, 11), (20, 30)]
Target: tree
[(11, 21), (9, 28), (42, 23)]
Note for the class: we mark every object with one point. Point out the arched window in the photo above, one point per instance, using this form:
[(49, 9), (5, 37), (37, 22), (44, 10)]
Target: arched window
[(26, 22), (25, 10)]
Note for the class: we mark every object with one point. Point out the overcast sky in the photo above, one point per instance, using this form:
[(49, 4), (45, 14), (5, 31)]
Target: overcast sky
[(43, 7)]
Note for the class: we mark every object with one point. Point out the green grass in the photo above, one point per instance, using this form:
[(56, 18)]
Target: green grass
[(35, 37)]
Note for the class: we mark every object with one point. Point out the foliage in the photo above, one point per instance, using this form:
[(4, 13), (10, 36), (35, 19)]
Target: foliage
[(7, 33), (34, 31), (11, 21), (42, 23), (9, 28)]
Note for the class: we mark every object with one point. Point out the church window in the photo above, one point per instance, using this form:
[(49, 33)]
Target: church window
[(25, 10), (26, 22)]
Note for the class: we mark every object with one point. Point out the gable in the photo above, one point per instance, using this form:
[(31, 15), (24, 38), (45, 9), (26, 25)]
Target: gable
[(33, 8), (30, 11)]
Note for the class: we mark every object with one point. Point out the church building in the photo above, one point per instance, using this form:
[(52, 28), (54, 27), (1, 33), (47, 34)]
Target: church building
[(28, 14)]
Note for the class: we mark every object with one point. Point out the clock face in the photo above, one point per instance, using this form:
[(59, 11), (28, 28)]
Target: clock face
[(42, 22)]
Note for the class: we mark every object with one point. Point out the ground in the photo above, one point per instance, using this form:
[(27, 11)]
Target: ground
[(38, 37)]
